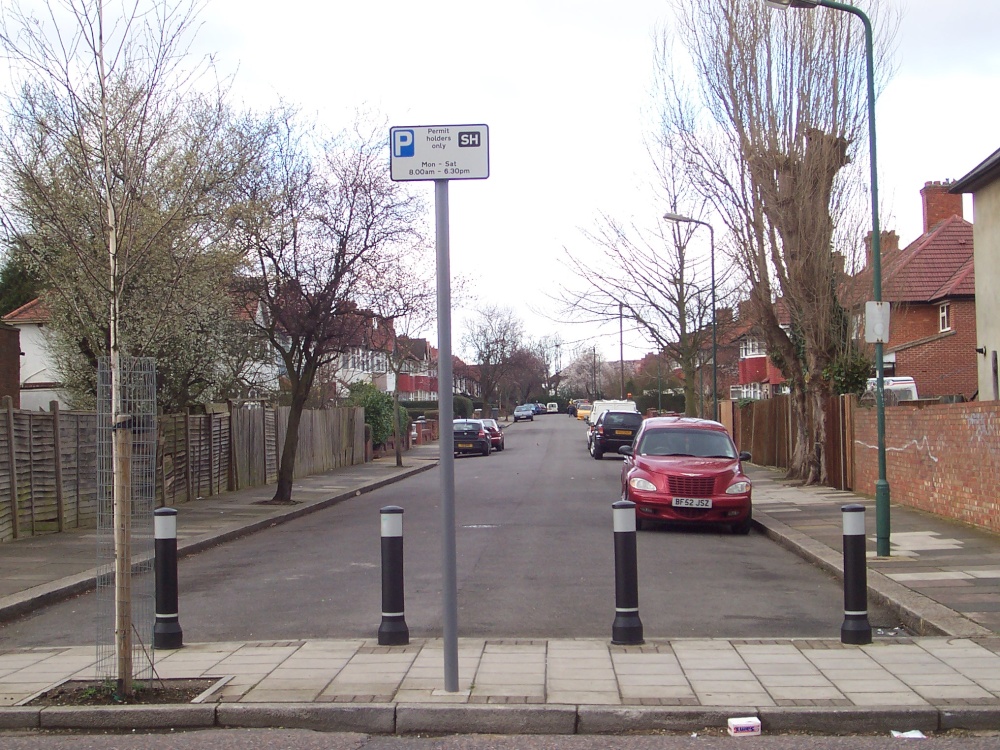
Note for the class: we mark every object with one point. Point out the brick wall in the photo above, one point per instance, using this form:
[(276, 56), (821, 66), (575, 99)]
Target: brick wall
[(10, 363), (940, 458), (946, 365)]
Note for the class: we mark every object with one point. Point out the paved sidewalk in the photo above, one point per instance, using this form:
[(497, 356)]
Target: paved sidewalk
[(941, 576), (545, 686), (943, 579)]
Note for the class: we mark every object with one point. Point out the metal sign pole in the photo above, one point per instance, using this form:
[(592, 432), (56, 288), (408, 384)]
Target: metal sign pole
[(442, 153), (446, 414)]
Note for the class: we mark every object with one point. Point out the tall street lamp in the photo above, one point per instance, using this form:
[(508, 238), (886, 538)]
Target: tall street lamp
[(882, 485), (715, 369), (621, 350)]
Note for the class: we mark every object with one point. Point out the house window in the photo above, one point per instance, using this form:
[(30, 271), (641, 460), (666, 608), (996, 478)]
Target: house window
[(752, 348), (944, 317)]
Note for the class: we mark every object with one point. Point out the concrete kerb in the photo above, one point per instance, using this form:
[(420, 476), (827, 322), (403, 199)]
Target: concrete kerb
[(625, 719), (186, 716), (403, 719), (374, 718), (481, 718), (917, 612), (24, 602), (847, 720), (20, 717)]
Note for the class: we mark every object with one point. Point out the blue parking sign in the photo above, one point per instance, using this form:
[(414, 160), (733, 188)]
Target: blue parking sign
[(402, 143)]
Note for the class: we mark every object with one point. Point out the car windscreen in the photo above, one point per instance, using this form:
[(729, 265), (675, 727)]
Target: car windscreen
[(622, 419), (678, 442), (466, 426)]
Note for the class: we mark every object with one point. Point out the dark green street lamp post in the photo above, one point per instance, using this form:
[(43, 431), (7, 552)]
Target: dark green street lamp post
[(715, 370), (882, 485)]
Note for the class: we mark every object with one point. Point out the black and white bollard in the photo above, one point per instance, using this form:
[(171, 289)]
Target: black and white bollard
[(167, 633), (856, 629), (627, 628), (393, 630)]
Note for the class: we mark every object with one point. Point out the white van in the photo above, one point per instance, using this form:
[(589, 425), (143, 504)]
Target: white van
[(905, 389), (552, 408), (602, 406)]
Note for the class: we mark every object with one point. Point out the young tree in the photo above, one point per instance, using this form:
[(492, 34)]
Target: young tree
[(768, 137), (109, 157), (406, 301), (493, 336), (316, 216), (116, 167)]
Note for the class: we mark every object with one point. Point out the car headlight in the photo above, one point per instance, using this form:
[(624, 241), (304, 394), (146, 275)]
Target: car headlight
[(738, 488), (638, 483)]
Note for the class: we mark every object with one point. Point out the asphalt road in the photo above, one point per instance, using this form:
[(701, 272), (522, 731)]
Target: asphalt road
[(535, 559)]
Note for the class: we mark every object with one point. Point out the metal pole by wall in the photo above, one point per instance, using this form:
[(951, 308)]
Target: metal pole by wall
[(621, 350), (393, 630)]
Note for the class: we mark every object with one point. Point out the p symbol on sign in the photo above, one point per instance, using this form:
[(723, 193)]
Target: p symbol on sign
[(402, 143)]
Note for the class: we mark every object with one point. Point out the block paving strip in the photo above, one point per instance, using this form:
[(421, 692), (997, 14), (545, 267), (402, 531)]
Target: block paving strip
[(917, 672)]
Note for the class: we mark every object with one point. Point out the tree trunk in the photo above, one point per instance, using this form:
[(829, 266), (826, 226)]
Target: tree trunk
[(797, 468), (286, 470), (397, 437), (690, 402)]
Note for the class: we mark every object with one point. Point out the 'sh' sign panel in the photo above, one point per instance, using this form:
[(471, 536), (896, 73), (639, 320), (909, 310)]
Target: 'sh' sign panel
[(440, 152)]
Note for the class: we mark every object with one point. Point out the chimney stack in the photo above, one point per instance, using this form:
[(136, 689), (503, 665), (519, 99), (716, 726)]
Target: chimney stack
[(939, 204), (889, 243)]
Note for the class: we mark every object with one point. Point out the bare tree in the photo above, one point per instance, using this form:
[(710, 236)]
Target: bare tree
[(661, 290), (527, 376), (317, 217), (768, 137), (109, 157), (493, 337)]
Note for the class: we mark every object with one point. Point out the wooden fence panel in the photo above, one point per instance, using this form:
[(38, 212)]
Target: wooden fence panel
[(173, 459), (6, 506), (41, 471), (197, 455), (834, 447), (270, 446), (78, 442)]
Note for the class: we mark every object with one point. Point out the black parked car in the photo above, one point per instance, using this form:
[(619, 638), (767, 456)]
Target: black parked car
[(612, 430), (471, 437)]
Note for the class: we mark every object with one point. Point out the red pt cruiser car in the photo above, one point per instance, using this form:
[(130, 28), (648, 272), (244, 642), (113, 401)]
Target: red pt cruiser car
[(681, 469)]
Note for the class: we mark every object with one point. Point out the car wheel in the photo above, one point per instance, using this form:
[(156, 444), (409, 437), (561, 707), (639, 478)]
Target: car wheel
[(501, 446), (743, 527), (486, 450), (595, 451), (640, 524)]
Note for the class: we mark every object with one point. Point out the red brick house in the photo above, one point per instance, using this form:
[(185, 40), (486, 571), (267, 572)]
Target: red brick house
[(931, 286), (758, 377)]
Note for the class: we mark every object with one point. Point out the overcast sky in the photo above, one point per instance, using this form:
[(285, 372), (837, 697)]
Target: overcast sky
[(563, 86)]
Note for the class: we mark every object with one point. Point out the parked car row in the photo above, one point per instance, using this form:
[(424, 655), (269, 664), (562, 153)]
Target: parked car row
[(482, 436), (675, 469)]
